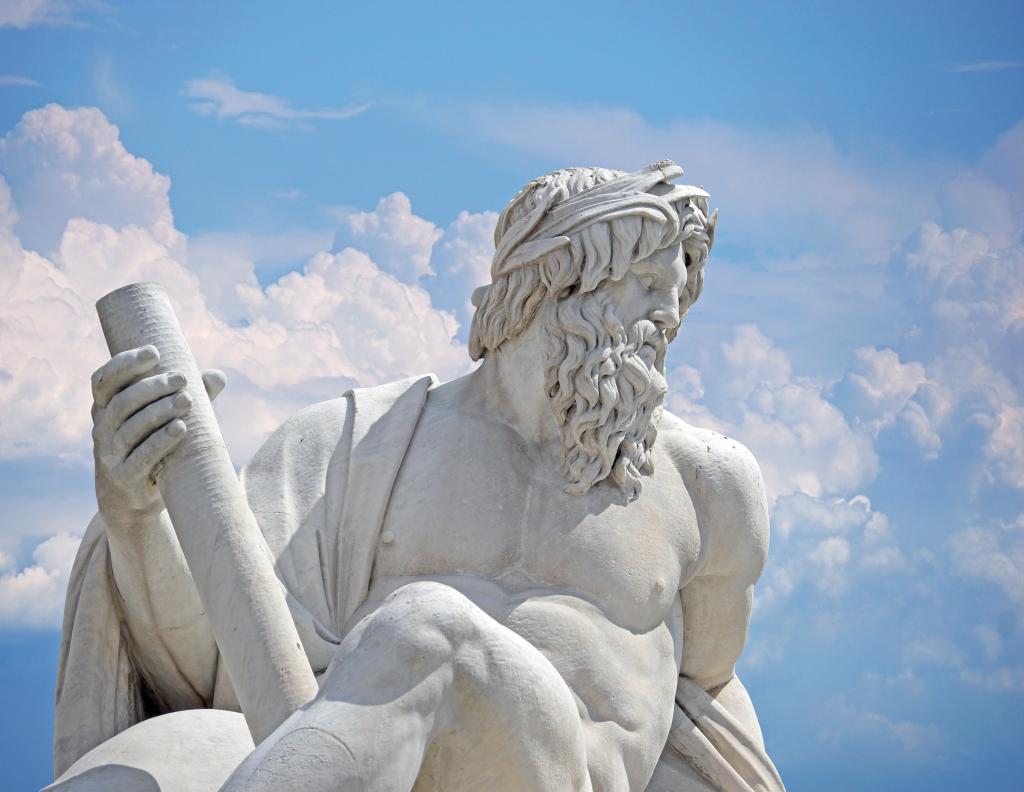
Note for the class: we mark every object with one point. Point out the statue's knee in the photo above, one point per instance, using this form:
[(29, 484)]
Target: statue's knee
[(426, 621)]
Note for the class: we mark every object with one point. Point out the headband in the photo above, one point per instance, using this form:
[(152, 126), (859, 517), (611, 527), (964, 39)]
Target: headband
[(548, 226)]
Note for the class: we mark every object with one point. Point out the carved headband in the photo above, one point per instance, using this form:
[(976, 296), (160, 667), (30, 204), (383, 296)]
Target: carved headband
[(546, 229)]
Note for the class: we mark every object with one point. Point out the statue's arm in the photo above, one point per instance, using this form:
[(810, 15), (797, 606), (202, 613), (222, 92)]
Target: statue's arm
[(136, 423), (170, 637), (717, 601)]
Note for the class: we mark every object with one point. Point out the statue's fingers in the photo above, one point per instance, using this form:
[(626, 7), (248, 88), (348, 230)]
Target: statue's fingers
[(114, 375), (136, 397), (133, 432), (140, 463), (214, 381)]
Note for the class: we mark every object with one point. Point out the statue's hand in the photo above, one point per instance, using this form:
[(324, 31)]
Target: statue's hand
[(137, 422)]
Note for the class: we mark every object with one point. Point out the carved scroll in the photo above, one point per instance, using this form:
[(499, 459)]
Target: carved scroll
[(230, 562)]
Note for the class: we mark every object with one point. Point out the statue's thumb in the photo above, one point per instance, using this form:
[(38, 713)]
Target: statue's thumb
[(214, 381)]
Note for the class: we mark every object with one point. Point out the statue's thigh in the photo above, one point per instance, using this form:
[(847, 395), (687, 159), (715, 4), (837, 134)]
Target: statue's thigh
[(492, 710), (188, 751)]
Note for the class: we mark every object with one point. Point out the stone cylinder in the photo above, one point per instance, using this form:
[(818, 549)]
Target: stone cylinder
[(230, 561)]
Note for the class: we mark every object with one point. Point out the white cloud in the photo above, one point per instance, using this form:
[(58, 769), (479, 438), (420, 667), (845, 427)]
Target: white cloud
[(1006, 679), (400, 242), (993, 556), (340, 321), (829, 560), (34, 596), (802, 440), (990, 639), (467, 247), (462, 261), (825, 543), (913, 737), (962, 300), (821, 222), (1005, 445), (884, 559), (932, 650), (61, 164), (984, 66), (229, 264), (903, 681), (753, 362), (779, 188), (218, 96), (18, 80), (30, 13), (881, 391), (801, 512), (109, 90)]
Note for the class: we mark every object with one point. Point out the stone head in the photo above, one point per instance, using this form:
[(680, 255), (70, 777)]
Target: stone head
[(609, 262), (577, 230)]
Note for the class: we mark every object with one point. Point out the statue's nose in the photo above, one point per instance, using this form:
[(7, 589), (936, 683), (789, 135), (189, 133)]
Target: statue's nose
[(666, 316)]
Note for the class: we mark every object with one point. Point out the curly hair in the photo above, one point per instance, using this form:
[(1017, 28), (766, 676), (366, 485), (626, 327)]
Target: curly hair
[(602, 251)]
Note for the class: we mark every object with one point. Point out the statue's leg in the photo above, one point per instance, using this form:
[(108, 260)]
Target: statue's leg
[(428, 691)]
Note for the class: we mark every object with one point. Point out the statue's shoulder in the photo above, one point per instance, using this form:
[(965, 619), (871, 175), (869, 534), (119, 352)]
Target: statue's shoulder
[(315, 430), (694, 448), (727, 488)]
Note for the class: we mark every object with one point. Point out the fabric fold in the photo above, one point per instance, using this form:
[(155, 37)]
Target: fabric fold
[(717, 745), (319, 488)]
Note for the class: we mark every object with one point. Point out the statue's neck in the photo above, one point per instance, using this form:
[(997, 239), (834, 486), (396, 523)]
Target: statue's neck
[(510, 386)]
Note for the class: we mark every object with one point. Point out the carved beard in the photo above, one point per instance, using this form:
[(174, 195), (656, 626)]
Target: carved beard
[(606, 387)]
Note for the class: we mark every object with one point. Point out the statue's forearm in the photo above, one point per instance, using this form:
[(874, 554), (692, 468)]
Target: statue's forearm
[(170, 634)]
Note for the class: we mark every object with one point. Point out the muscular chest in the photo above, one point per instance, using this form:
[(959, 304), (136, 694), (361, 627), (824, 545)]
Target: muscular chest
[(479, 504)]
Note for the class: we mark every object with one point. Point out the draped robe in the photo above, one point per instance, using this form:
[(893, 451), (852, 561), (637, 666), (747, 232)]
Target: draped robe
[(319, 488)]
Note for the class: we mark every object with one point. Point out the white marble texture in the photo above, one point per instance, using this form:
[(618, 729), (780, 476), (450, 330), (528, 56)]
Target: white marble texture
[(528, 578)]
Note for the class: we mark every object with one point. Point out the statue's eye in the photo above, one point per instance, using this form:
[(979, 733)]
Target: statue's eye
[(646, 280)]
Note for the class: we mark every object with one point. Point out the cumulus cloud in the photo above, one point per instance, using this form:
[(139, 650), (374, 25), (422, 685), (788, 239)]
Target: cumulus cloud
[(448, 262), (338, 322), (462, 261), (33, 596), (229, 264), (913, 738), (400, 242), (970, 296), (219, 97), (830, 559), (825, 544), (994, 556), (802, 440), (62, 164), (880, 391), (467, 247), (949, 234), (816, 461)]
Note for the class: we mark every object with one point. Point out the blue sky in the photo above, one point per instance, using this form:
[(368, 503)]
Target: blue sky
[(319, 183)]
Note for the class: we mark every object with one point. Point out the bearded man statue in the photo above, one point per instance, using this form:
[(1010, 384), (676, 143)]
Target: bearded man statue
[(532, 577)]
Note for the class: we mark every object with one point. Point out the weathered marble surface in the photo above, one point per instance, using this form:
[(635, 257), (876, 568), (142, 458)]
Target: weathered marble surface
[(531, 577)]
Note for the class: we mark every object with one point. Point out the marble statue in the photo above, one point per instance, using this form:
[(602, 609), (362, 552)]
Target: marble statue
[(532, 577)]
